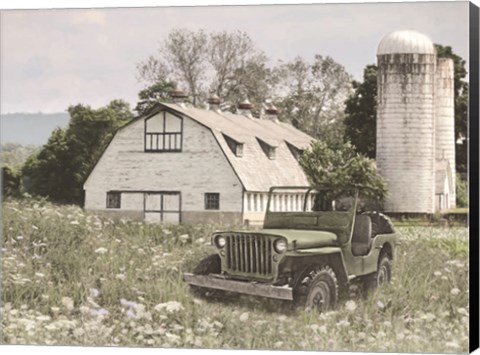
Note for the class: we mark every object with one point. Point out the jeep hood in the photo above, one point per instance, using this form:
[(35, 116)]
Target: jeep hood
[(302, 239)]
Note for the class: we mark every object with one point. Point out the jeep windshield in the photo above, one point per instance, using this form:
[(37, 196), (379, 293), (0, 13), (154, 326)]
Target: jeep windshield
[(308, 199)]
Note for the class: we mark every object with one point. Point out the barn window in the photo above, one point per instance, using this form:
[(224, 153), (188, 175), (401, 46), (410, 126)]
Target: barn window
[(163, 133), (267, 149), (212, 201), (296, 152), (113, 199), (235, 146)]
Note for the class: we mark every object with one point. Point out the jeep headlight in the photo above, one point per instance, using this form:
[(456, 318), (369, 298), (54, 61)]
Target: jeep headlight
[(280, 245), (220, 241)]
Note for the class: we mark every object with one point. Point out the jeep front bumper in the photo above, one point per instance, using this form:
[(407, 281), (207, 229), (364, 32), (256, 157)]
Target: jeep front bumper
[(219, 282)]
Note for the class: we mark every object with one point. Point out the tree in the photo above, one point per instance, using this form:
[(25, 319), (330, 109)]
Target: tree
[(313, 95), (10, 181), (361, 113), (158, 92), (223, 63), (337, 165), (61, 167)]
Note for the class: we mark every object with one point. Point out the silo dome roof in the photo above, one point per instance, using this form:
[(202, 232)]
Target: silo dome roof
[(405, 42)]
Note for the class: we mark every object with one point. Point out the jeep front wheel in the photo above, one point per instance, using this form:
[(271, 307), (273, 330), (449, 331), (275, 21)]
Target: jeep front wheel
[(319, 289), (209, 265)]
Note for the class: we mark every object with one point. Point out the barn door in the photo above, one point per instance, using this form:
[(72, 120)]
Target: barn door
[(162, 207)]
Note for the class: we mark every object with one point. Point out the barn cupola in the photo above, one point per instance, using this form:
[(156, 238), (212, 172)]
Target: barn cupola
[(214, 103), (245, 108), (178, 96), (271, 113)]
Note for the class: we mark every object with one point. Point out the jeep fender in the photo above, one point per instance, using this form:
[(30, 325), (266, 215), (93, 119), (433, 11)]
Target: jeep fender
[(299, 261)]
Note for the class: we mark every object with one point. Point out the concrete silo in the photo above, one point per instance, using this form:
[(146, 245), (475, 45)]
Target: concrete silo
[(406, 120), (445, 119)]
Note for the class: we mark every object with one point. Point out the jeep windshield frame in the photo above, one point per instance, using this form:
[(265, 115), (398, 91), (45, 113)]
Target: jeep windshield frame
[(309, 217)]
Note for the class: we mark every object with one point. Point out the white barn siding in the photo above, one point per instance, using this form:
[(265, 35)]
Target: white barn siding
[(201, 167)]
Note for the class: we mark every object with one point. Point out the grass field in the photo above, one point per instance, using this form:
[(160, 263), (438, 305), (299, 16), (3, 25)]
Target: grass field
[(76, 279)]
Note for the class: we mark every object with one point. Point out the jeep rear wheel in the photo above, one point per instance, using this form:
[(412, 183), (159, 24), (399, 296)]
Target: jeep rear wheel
[(384, 272), (318, 290), (381, 277)]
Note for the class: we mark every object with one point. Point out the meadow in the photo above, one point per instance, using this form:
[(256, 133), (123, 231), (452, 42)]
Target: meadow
[(72, 278)]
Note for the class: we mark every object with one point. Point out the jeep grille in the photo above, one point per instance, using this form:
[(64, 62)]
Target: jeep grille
[(249, 253)]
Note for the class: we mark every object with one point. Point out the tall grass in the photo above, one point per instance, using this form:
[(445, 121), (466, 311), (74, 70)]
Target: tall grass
[(78, 279)]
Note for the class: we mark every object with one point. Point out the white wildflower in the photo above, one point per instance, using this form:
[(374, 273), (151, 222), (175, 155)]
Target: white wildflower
[(120, 276), (452, 345), (19, 237), (34, 227), (200, 241), (350, 306), (278, 344), (94, 292), (75, 222), (462, 311), (101, 250), (454, 291), (170, 307), (244, 317), (39, 274), (437, 273), (68, 303), (380, 305), (343, 323), (322, 329)]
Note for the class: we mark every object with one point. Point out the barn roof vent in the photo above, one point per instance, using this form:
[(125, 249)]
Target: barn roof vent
[(271, 113), (214, 103), (178, 96), (245, 108)]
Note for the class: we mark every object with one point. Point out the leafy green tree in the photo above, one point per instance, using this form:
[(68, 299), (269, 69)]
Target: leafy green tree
[(312, 95), (158, 92), (60, 169), (361, 113), (10, 181), (47, 173), (227, 64), (337, 165)]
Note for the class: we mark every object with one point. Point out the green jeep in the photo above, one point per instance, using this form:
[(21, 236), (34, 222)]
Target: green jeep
[(307, 256)]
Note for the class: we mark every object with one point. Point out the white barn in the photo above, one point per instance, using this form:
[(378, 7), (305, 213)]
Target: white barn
[(181, 164)]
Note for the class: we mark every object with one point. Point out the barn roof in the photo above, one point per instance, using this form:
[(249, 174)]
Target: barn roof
[(255, 169)]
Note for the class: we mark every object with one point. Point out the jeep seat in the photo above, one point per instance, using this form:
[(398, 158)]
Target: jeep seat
[(361, 239)]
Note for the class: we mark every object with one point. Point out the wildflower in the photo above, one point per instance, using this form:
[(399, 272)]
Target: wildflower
[(75, 222), (54, 309), (101, 250), (120, 276), (437, 273), (380, 305), (19, 237), (350, 306), (101, 312), (170, 307), (128, 304), (462, 311), (200, 241), (184, 238), (130, 313), (322, 329), (68, 303), (454, 291), (278, 344), (343, 323), (34, 227), (94, 292), (452, 344), (39, 274), (244, 317)]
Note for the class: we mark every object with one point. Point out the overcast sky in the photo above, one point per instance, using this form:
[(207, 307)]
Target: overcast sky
[(51, 59)]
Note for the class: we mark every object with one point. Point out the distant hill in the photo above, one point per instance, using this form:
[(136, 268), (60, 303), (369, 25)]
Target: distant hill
[(31, 128)]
